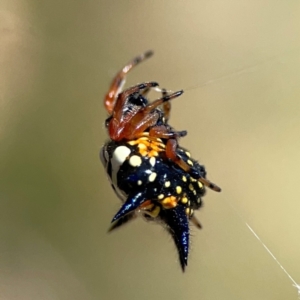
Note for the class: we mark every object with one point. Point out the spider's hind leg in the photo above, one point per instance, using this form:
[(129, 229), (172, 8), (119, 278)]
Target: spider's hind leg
[(171, 153), (166, 106), (196, 222)]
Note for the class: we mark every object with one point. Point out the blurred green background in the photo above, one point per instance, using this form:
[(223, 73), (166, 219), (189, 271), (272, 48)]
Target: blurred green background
[(243, 118)]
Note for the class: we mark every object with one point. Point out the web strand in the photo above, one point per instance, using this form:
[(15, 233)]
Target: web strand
[(250, 69), (247, 69), (295, 284)]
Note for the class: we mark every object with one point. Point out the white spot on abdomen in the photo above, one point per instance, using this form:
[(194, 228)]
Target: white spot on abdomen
[(135, 161), (119, 156), (152, 177), (152, 161)]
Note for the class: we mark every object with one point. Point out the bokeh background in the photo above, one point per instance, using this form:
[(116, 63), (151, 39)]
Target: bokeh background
[(239, 63)]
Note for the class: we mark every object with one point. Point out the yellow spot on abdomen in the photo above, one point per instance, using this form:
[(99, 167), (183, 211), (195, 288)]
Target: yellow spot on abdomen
[(169, 202), (190, 162), (184, 200), (178, 189)]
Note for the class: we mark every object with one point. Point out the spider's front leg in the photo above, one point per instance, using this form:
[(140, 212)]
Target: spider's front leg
[(119, 81), (165, 132), (166, 105), (118, 126), (147, 117)]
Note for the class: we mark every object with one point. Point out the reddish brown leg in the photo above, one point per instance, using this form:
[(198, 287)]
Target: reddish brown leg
[(164, 133), (118, 127), (139, 121), (145, 92), (162, 100), (135, 127), (119, 80), (171, 148), (209, 184), (166, 106), (138, 124), (118, 109), (171, 153), (196, 222)]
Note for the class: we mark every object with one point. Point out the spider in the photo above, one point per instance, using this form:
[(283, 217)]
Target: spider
[(150, 173)]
